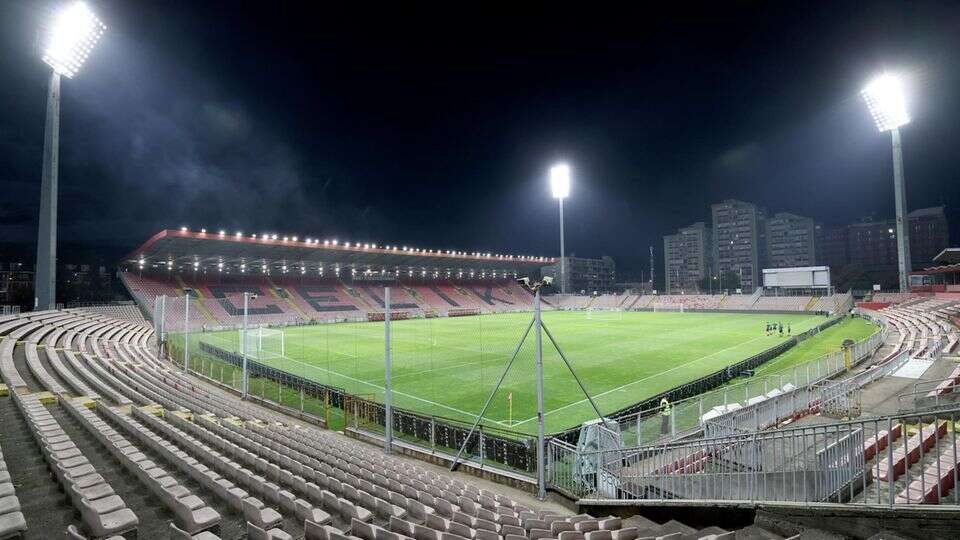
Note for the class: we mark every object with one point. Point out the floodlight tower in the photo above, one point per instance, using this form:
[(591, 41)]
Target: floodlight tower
[(885, 99), (73, 34), (560, 186)]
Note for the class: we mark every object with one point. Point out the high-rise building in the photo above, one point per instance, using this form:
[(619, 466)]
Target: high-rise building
[(832, 247), (736, 239), (873, 244), (929, 235), (687, 256), (584, 275), (790, 241)]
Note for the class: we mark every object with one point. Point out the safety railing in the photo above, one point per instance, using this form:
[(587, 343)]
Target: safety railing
[(774, 394), (936, 394), (897, 460)]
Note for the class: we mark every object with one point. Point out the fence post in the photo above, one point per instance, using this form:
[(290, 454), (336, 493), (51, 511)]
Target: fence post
[(433, 434), (387, 390)]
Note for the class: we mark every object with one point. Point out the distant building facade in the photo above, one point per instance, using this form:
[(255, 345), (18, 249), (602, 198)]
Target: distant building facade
[(873, 244), (687, 257), (790, 241), (584, 275), (737, 235), (929, 235), (833, 247)]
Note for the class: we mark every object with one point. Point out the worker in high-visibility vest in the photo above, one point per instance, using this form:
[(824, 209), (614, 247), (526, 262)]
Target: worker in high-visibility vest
[(665, 412)]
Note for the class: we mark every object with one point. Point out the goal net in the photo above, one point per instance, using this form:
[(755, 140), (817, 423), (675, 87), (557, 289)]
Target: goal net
[(263, 343), (601, 314), (668, 307)]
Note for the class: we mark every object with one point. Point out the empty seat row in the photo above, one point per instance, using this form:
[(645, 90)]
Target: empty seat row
[(84, 368), (193, 515), (40, 372), (103, 511), (11, 519)]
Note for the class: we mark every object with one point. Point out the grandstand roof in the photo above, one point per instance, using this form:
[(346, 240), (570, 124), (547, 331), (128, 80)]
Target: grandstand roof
[(948, 256), (182, 248)]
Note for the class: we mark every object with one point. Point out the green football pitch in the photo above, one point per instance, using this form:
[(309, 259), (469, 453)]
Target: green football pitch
[(448, 366)]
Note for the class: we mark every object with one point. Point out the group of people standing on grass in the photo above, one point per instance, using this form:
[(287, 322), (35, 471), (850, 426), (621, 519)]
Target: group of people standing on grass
[(774, 327)]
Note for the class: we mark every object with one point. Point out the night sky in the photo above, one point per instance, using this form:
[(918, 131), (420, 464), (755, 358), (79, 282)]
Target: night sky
[(434, 125)]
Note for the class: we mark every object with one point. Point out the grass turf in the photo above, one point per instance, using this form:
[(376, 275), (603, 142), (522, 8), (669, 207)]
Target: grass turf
[(819, 345), (448, 366)]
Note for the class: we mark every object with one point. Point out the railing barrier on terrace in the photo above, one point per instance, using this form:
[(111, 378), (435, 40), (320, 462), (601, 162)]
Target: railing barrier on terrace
[(885, 461)]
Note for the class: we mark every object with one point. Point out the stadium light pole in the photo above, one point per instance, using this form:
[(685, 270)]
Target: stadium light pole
[(72, 36), (885, 100), (560, 186)]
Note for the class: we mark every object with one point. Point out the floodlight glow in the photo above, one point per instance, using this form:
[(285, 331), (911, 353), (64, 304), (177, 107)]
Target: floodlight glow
[(885, 99), (73, 35), (560, 181)]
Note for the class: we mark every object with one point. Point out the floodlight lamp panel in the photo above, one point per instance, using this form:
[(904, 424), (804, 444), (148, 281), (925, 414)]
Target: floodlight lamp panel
[(560, 180), (885, 99), (73, 35)]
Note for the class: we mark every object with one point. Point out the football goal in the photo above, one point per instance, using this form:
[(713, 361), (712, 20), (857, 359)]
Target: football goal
[(668, 307), (263, 343), (604, 314)]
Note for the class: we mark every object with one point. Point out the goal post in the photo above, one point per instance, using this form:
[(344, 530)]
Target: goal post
[(263, 343), (676, 308), (604, 314)]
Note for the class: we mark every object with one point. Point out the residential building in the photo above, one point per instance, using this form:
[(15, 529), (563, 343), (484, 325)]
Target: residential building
[(790, 241), (584, 276), (737, 236), (687, 255)]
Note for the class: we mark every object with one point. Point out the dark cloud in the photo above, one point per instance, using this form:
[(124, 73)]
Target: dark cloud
[(410, 124)]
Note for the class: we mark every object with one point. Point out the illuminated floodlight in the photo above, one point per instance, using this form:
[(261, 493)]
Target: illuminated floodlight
[(73, 35), (560, 180), (885, 99)]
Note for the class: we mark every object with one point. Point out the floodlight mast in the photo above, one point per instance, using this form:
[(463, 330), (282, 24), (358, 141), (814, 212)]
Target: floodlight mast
[(74, 33), (560, 186), (885, 99)]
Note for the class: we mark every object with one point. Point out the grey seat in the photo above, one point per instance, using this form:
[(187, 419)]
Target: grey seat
[(12, 524), (264, 518), (307, 512), (258, 533), (349, 511), (401, 526), (362, 530), (179, 534), (9, 504), (111, 523), (312, 531)]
